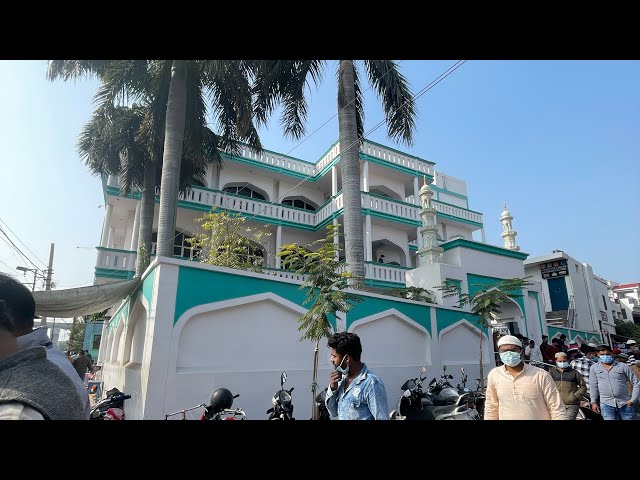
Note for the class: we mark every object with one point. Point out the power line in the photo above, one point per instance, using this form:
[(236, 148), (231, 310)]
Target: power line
[(23, 244), (18, 249)]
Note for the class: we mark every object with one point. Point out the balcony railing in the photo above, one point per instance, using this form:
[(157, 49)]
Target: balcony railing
[(115, 259)]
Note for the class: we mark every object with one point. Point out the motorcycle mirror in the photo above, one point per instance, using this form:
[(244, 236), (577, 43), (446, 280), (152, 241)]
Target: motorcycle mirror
[(449, 376), (462, 370), (444, 367), (283, 378)]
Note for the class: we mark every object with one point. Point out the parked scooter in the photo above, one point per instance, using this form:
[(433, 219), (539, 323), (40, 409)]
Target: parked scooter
[(476, 398), (282, 408), (416, 404), (323, 411), (111, 407), (219, 408)]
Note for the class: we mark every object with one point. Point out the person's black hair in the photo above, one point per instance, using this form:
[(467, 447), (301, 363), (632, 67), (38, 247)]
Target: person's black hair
[(346, 343), (21, 307), (563, 336), (556, 340), (5, 320)]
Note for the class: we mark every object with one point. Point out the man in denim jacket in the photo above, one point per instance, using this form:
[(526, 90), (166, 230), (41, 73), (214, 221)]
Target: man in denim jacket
[(354, 393)]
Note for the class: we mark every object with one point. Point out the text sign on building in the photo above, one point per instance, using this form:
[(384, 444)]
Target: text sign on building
[(557, 268)]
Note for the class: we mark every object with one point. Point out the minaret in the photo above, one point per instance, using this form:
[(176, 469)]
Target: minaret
[(430, 251), (508, 233)]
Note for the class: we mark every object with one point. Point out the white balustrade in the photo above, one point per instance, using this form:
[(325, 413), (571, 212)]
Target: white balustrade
[(384, 273), (397, 158), (457, 212), (113, 259)]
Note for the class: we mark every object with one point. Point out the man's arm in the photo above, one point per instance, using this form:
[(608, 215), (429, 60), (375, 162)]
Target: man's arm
[(491, 401), (582, 387), (553, 399), (635, 381), (594, 393), (377, 400), (331, 401)]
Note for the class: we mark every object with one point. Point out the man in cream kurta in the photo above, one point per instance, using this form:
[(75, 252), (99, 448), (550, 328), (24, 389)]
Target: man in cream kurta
[(516, 391)]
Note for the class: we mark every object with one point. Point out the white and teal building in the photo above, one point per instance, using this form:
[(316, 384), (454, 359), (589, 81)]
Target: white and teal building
[(191, 328)]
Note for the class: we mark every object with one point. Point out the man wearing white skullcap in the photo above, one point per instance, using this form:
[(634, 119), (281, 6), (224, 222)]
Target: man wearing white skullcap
[(517, 391)]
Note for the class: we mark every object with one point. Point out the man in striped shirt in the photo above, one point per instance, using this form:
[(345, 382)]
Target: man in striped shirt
[(583, 364)]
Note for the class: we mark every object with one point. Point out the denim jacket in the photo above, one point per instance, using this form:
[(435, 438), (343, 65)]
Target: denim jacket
[(365, 398)]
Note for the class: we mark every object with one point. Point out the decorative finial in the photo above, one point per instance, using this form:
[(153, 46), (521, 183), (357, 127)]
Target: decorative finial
[(505, 205)]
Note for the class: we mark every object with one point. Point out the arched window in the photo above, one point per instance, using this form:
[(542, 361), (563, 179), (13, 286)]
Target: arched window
[(299, 202), (181, 247), (243, 191)]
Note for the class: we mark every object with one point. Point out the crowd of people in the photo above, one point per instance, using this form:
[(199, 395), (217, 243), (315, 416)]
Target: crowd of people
[(525, 387)]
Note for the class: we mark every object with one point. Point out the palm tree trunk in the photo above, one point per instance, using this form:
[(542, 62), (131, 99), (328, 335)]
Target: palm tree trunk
[(350, 169), (314, 385), (146, 218), (172, 156)]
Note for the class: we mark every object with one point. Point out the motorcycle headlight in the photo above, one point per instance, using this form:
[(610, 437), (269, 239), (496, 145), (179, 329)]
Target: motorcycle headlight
[(285, 397)]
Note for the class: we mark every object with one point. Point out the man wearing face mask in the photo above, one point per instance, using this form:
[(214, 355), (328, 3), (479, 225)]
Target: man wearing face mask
[(516, 391), (608, 383), (354, 393), (570, 384)]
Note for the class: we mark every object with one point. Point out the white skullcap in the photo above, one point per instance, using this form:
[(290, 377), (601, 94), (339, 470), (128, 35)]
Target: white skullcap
[(509, 340), (631, 342), (561, 354), (593, 345)]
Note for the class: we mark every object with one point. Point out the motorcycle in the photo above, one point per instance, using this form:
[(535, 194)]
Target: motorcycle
[(282, 408), (215, 412), (323, 411), (111, 407), (416, 404), (585, 412), (476, 398)]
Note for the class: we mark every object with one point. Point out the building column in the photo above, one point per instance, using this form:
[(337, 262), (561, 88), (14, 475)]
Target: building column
[(278, 244), (367, 239), (106, 226), (215, 178), (276, 192), (365, 177), (419, 245), (334, 180), (484, 240), (336, 240), (407, 256), (136, 229), (416, 191), (110, 237)]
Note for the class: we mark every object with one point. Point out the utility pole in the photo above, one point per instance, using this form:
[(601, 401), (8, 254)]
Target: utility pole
[(47, 285)]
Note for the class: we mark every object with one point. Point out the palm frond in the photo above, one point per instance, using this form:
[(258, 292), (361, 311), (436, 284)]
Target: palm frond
[(397, 100), (74, 69)]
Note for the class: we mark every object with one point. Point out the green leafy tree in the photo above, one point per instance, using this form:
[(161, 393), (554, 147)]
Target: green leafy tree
[(486, 302), (627, 329), (418, 294), (228, 241), (325, 286), (76, 334)]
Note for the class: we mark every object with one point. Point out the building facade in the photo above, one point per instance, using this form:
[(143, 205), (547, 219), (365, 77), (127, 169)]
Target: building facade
[(626, 297)]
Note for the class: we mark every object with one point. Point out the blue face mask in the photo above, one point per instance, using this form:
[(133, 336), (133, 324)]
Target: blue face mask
[(563, 364), (510, 359), (596, 358), (341, 370), (606, 359)]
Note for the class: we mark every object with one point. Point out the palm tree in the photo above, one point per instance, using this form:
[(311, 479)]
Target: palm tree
[(176, 91), (285, 81)]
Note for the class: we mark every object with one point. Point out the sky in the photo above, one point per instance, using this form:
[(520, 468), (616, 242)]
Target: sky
[(559, 141)]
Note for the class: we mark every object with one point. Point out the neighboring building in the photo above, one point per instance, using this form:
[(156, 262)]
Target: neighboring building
[(626, 298), (574, 297), (93, 336)]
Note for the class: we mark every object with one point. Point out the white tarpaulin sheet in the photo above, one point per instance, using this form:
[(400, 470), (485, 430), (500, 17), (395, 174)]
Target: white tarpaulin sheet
[(74, 302)]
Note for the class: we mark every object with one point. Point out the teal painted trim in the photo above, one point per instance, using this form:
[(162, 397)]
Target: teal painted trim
[(327, 150), (115, 250), (398, 151), (110, 273), (457, 219), (383, 284), (198, 287), (121, 314), (147, 287), (115, 191), (413, 248), (444, 190), (446, 318), (457, 206), (271, 168), (421, 314), (407, 221), (483, 247), (535, 296), (393, 166)]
